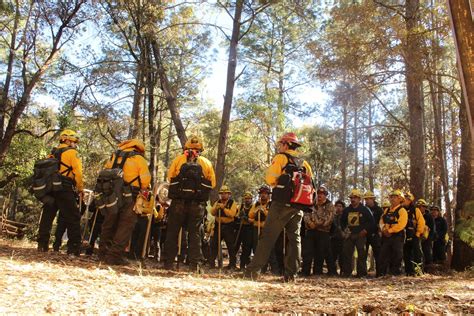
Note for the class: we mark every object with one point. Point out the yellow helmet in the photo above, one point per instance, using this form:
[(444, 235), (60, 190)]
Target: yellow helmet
[(396, 193), (409, 196), (369, 195), (137, 144), (421, 202), (247, 195), (68, 134), (355, 193), (194, 142), (224, 189)]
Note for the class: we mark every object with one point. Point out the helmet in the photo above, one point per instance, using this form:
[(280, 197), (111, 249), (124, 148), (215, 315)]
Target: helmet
[(322, 189), (409, 196), (137, 144), (290, 138), (265, 188), (224, 189), (396, 193), (194, 142), (421, 202), (68, 134), (369, 195), (385, 203), (247, 195), (355, 193), (435, 207)]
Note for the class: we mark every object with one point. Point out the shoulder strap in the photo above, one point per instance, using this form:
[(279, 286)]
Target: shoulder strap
[(125, 155), (229, 203), (57, 153), (297, 161)]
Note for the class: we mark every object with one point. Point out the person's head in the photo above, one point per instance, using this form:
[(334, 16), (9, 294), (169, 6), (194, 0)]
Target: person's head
[(264, 193), (248, 197), (69, 137), (369, 198), (288, 141), (339, 205), (322, 194), (355, 196), (435, 211), (194, 144), (396, 198), (409, 199), (422, 205), (134, 143), (225, 193)]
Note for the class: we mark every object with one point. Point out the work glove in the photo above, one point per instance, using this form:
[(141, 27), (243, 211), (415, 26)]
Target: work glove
[(385, 233)]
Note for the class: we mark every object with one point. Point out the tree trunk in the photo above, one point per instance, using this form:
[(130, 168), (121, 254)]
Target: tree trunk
[(356, 151), (8, 77), (138, 93), (342, 190), (371, 153), (229, 94), (414, 76), (463, 30), (170, 95)]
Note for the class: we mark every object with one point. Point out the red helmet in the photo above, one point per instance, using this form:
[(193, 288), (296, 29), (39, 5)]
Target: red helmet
[(290, 138)]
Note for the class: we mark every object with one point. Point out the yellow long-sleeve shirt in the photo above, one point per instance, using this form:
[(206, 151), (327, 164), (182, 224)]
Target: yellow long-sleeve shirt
[(71, 159), (419, 222), (228, 211), (278, 164), (135, 166), (207, 169), (253, 214), (399, 225)]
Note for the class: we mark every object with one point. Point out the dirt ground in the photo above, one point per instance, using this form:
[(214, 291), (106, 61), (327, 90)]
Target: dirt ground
[(54, 283)]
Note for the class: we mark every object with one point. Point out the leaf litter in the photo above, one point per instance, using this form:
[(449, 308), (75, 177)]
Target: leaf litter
[(54, 283)]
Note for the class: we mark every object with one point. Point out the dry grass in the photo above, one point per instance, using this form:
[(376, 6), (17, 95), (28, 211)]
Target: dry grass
[(36, 283)]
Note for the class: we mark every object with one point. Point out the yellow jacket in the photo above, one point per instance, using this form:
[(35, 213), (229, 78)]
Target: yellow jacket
[(278, 164), (71, 159), (401, 223), (419, 223), (207, 169), (253, 214), (135, 166), (228, 213)]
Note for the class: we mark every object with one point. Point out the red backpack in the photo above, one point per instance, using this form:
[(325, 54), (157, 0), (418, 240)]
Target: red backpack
[(294, 186)]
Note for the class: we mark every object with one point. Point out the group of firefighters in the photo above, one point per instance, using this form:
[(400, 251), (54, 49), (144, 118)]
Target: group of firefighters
[(270, 232)]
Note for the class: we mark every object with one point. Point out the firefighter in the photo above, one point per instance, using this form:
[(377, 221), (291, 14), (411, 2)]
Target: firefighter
[(373, 239), (316, 243), (118, 225), (429, 232), (393, 222), (337, 234), (245, 231), (187, 210), (224, 211), (439, 244), (412, 253), (360, 222), (66, 199), (282, 214)]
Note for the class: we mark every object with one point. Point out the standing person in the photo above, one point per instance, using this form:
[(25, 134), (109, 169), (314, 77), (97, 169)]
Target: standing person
[(244, 231), (118, 223), (360, 222), (189, 174), (224, 212), (412, 253), (373, 239), (337, 234), (429, 232), (439, 243), (316, 243), (65, 198), (393, 224), (282, 215)]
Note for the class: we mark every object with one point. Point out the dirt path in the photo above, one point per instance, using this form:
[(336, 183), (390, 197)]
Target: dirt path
[(34, 283)]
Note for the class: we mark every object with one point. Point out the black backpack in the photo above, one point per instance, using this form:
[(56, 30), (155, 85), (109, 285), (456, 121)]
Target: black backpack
[(46, 177), (190, 183), (111, 191)]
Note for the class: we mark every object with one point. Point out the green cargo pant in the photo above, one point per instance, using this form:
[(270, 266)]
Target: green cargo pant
[(280, 216)]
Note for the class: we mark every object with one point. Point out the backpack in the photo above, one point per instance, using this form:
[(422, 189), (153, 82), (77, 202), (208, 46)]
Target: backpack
[(391, 218), (190, 183), (411, 223), (111, 191), (46, 177), (294, 186)]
